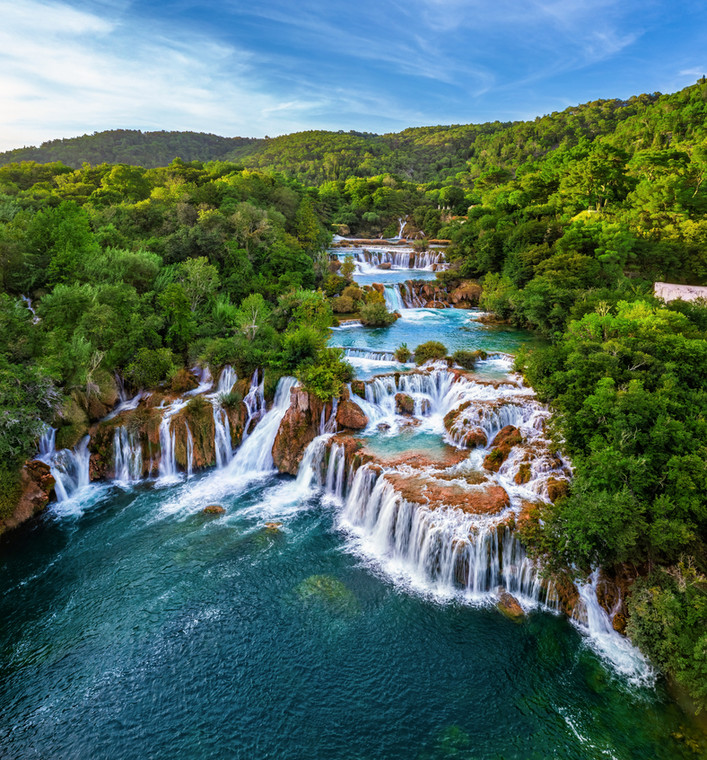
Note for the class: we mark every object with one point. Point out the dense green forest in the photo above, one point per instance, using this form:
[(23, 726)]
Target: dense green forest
[(566, 222)]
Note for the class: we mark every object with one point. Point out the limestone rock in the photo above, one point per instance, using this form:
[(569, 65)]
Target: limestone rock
[(213, 509), (505, 440), (299, 427), (509, 605), (37, 485), (350, 415), (404, 404)]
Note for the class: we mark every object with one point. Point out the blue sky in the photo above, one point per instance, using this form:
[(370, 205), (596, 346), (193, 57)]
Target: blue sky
[(272, 67)]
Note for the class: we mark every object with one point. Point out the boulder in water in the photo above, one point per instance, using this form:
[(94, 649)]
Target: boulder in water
[(351, 416), (385, 265), (213, 509), (404, 404), (505, 440), (473, 438), (509, 605), (358, 387), (299, 427), (273, 527)]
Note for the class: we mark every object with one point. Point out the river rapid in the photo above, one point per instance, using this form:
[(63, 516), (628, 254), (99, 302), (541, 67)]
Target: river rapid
[(133, 625)]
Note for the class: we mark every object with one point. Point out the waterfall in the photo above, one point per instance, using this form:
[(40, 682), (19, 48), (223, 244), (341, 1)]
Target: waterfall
[(222, 436), (70, 469), (401, 222), (593, 620), (442, 550), (328, 424), (190, 451), (365, 353), (311, 466), (254, 403), (206, 382), (335, 471), (168, 462), (393, 300), (127, 456), (255, 454), (428, 261), (226, 380)]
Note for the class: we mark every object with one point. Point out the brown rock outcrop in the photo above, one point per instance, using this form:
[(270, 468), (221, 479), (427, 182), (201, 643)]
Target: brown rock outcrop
[(350, 415), (509, 605), (505, 440), (299, 427), (36, 487), (404, 404)]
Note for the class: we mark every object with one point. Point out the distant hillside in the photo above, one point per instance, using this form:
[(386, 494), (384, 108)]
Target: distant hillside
[(441, 154), (131, 146)]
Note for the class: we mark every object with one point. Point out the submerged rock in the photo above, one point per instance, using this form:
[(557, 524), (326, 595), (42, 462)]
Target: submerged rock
[(213, 509)]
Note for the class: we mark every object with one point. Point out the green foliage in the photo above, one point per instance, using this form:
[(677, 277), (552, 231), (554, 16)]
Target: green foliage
[(327, 377), (403, 353), (376, 315), (430, 351), (468, 359), (10, 490), (668, 621), (151, 367)]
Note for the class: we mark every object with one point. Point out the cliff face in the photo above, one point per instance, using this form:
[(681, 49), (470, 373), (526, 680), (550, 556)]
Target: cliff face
[(36, 488)]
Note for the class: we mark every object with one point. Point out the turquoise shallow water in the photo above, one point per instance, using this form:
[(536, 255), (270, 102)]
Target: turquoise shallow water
[(132, 631)]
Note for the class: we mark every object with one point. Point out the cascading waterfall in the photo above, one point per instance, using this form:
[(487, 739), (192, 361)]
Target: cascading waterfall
[(223, 445), (594, 621), (402, 222), (254, 403), (127, 456), (255, 453), (364, 353), (401, 259), (393, 300), (443, 550), (190, 451), (168, 463), (69, 467)]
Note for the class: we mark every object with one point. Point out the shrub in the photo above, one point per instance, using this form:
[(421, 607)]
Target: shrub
[(403, 353), (343, 305), (430, 351), (151, 367), (326, 378), (376, 315), (230, 400), (468, 359)]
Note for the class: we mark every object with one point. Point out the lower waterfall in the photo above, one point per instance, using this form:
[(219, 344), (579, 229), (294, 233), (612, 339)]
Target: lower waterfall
[(127, 456)]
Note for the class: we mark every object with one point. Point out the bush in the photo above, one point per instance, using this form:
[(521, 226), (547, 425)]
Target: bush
[(403, 354), (10, 491), (230, 400), (376, 315), (151, 367), (430, 351), (326, 378), (468, 359), (668, 620), (343, 305)]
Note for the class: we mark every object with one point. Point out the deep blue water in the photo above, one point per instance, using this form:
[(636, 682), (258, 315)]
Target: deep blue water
[(133, 630)]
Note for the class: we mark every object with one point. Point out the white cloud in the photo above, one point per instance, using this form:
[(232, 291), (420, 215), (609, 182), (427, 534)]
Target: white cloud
[(65, 72)]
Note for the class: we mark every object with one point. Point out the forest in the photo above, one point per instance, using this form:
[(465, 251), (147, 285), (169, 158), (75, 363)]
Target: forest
[(117, 256)]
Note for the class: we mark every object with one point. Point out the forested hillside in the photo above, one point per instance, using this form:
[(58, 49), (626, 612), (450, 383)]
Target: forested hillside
[(456, 154), (131, 146)]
